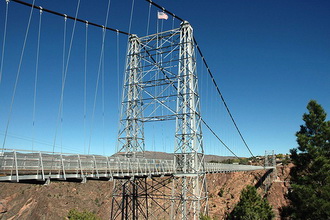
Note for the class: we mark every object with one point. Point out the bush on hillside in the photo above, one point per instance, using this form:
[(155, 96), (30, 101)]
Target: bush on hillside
[(85, 215)]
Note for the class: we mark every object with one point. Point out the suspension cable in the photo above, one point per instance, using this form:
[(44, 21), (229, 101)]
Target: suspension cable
[(218, 138), (221, 96), (71, 17), (36, 80), (17, 76), (4, 41)]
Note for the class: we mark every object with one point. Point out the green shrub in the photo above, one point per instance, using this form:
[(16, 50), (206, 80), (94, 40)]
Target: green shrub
[(204, 217), (85, 215)]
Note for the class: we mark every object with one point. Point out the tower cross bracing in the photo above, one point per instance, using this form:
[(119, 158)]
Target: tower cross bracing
[(161, 84)]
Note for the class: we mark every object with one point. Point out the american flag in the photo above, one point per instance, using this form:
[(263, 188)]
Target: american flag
[(162, 15)]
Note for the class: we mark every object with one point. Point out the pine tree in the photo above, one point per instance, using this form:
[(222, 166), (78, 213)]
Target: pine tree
[(251, 207), (310, 177)]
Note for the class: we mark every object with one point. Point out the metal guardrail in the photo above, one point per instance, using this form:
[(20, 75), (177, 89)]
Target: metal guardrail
[(222, 168), (16, 165)]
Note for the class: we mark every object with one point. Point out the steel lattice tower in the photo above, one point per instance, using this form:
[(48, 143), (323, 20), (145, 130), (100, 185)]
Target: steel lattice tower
[(189, 181), (270, 161), (161, 84), (131, 135)]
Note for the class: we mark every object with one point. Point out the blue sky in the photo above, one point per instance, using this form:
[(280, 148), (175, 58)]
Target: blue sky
[(269, 58)]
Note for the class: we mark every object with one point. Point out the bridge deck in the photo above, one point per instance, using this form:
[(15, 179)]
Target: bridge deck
[(16, 165)]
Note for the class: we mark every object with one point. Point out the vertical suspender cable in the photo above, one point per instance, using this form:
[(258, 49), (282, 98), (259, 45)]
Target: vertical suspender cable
[(59, 114), (148, 26), (118, 88), (4, 41), (160, 89), (17, 76), (103, 112), (64, 46), (65, 73), (36, 80), (131, 18), (148, 23), (98, 74), (157, 24), (3, 45), (85, 83), (124, 78), (118, 76)]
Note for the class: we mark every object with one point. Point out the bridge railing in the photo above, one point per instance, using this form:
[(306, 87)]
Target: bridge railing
[(222, 168), (21, 164), (18, 165)]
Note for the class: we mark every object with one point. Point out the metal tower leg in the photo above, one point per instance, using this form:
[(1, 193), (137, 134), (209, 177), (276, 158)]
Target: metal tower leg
[(270, 161), (141, 198), (274, 165), (189, 194), (130, 200), (131, 133), (133, 195)]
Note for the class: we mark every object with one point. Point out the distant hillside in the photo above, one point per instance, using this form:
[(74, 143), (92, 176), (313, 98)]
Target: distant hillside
[(169, 156)]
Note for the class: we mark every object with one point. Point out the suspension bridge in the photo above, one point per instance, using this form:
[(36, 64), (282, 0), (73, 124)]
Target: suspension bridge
[(165, 80)]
